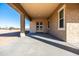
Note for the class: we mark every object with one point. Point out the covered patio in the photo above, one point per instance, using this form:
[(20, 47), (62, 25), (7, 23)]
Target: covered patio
[(34, 11), (38, 41)]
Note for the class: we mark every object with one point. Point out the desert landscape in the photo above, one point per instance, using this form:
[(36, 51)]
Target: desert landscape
[(8, 37)]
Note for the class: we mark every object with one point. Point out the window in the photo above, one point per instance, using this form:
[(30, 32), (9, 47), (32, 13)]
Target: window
[(39, 26), (41, 23), (61, 19), (37, 23)]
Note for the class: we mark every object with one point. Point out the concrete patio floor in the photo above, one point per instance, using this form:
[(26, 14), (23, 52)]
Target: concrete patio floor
[(29, 46)]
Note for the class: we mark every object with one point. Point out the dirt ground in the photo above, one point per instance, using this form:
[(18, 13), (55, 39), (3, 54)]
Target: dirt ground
[(7, 31), (7, 37)]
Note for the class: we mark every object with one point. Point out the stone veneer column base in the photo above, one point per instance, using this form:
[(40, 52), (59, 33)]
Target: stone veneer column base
[(22, 35)]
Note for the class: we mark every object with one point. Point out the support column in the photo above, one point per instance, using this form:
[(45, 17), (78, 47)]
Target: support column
[(22, 24)]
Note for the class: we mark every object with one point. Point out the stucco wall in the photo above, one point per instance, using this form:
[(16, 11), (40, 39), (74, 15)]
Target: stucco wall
[(33, 24), (71, 33), (72, 23), (72, 13), (53, 20)]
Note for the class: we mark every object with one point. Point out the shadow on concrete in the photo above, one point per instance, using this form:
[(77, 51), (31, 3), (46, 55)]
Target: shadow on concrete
[(46, 35), (12, 34), (70, 49)]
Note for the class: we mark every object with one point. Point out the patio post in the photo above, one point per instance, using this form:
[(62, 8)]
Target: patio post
[(22, 25)]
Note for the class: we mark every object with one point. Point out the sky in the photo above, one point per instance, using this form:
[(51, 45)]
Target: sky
[(10, 17)]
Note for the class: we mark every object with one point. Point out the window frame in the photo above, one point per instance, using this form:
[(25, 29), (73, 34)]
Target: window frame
[(39, 26), (62, 8)]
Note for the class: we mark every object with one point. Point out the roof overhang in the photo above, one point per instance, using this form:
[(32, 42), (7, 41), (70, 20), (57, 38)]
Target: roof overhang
[(39, 10), (19, 9), (35, 10)]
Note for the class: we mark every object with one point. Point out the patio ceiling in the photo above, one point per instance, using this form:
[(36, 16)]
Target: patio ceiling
[(39, 10)]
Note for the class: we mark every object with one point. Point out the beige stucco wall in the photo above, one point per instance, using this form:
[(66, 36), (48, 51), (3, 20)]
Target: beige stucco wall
[(33, 24), (72, 23), (71, 32), (72, 13), (53, 20)]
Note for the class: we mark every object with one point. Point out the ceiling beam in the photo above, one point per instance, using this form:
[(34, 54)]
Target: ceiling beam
[(19, 9)]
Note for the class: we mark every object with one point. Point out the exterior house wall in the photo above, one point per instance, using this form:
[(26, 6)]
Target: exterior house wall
[(53, 21), (72, 23), (72, 13), (33, 25), (71, 32)]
